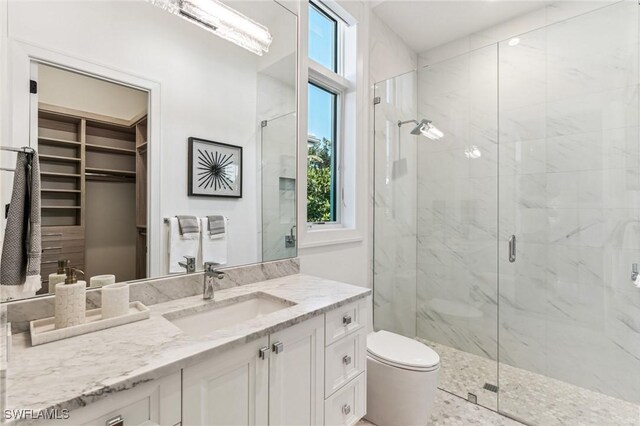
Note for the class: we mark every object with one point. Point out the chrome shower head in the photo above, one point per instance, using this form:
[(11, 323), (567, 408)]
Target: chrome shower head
[(425, 128)]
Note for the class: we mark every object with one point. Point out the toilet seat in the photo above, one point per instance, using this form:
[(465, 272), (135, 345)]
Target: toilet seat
[(402, 352)]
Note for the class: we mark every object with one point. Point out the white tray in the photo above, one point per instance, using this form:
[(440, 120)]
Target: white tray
[(44, 331)]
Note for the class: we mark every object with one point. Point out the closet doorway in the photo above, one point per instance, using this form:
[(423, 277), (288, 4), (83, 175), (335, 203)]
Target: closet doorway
[(92, 142)]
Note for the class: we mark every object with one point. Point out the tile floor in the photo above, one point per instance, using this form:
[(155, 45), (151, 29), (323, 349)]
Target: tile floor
[(531, 397), (451, 410)]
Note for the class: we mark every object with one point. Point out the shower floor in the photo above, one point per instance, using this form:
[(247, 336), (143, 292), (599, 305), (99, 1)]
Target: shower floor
[(532, 397)]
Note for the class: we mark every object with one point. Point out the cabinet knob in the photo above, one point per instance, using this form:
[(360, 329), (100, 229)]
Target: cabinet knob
[(115, 421), (278, 347), (346, 360), (263, 352), (346, 320), (346, 409)]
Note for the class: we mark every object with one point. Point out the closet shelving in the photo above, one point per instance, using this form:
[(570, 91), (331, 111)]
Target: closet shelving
[(76, 147)]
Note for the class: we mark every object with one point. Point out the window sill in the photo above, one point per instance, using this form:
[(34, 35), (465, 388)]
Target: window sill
[(329, 236)]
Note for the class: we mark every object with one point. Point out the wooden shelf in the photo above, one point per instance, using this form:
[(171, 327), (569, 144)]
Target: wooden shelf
[(61, 207), (142, 147), (59, 142), (52, 174), (58, 158), (62, 191), (101, 148), (127, 173)]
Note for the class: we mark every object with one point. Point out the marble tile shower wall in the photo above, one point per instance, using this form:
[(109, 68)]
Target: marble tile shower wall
[(395, 206), (570, 191), (457, 209)]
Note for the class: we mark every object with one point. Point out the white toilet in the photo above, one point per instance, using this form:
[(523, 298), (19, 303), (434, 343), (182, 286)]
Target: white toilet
[(402, 379)]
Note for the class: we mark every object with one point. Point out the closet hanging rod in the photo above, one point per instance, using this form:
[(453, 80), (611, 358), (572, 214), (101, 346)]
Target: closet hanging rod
[(26, 149), (109, 176)]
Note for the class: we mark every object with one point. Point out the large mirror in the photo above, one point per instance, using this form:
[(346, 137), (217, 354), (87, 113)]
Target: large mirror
[(165, 132)]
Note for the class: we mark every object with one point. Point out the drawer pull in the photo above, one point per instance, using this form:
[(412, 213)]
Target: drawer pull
[(346, 409), (55, 234), (278, 347), (346, 360), (346, 320), (263, 352), (48, 262), (116, 421), (51, 248)]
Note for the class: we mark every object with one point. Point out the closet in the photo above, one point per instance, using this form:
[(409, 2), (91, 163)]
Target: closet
[(94, 192)]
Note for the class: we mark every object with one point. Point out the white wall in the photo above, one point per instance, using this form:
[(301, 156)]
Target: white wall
[(207, 86)]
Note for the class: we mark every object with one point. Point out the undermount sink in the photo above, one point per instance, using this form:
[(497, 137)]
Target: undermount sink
[(226, 314)]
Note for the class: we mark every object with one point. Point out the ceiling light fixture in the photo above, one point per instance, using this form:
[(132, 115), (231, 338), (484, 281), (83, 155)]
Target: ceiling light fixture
[(221, 20), (514, 41)]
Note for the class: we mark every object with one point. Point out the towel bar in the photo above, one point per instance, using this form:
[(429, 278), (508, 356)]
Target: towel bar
[(166, 219)]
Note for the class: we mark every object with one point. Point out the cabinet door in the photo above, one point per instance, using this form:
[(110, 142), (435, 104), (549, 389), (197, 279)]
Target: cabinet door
[(152, 403), (227, 389), (296, 384)]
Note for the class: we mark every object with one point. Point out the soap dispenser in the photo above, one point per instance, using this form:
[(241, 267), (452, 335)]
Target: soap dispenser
[(59, 276), (70, 301)]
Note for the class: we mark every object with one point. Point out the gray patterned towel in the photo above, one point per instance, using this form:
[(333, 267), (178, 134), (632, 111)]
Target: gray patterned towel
[(216, 224), (188, 224), (22, 247)]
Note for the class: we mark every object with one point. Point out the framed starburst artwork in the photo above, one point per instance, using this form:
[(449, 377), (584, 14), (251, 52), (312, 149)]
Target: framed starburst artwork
[(215, 169)]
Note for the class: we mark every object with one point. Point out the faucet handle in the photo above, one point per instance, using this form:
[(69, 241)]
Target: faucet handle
[(211, 266)]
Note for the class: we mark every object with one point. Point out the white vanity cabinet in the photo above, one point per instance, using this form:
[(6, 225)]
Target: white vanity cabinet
[(296, 371), (346, 360), (148, 404), (312, 373), (275, 380), (228, 389)]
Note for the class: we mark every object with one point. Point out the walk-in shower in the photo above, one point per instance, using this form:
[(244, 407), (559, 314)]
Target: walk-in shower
[(541, 146)]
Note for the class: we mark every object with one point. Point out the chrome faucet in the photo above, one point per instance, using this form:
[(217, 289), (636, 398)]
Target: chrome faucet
[(189, 265), (210, 275)]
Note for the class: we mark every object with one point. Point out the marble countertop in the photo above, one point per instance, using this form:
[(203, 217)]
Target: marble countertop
[(74, 372)]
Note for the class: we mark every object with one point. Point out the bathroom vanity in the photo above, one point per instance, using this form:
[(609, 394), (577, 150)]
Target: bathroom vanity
[(289, 350)]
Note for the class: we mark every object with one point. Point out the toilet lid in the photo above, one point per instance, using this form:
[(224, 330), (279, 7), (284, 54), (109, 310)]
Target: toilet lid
[(394, 349)]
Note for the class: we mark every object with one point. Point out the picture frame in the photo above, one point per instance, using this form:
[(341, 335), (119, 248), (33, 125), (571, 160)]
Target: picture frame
[(215, 169)]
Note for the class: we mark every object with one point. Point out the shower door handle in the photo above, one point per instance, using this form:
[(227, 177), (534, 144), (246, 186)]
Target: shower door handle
[(512, 248)]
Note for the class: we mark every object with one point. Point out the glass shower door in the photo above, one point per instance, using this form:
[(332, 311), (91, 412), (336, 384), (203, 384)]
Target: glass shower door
[(278, 187), (569, 315), (457, 221)]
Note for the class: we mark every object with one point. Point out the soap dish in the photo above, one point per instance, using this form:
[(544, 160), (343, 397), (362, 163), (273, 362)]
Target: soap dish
[(44, 331)]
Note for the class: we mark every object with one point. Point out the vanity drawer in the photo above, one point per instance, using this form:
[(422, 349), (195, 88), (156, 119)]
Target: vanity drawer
[(50, 258), (348, 405), (344, 360), (344, 320)]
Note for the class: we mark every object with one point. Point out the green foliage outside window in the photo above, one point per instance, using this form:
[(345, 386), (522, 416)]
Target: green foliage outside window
[(319, 181)]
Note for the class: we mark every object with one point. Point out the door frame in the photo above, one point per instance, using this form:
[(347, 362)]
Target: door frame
[(19, 124)]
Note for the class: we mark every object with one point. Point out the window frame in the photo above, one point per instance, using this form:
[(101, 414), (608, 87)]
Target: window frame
[(337, 54), (333, 82)]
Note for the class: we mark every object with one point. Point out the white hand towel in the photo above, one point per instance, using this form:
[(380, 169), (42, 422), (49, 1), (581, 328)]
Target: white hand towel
[(181, 246), (214, 247)]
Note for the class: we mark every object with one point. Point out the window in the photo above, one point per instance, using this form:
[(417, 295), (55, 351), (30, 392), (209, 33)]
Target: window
[(321, 156), (325, 95), (323, 37)]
